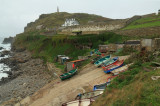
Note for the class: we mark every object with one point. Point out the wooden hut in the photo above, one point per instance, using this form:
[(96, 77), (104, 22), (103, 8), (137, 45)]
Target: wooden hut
[(73, 64)]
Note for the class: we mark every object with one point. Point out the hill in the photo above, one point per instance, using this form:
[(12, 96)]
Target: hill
[(54, 20), (151, 21), (146, 25)]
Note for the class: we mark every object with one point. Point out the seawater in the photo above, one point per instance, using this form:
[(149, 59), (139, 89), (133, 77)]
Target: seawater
[(3, 67)]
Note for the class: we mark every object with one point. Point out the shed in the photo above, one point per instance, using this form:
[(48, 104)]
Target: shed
[(157, 43), (73, 64), (135, 44), (103, 48), (148, 44), (64, 59), (58, 59), (112, 47)]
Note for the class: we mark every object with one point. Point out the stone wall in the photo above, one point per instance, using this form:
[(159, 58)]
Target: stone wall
[(93, 29)]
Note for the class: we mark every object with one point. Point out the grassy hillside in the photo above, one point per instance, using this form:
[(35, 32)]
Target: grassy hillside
[(57, 19), (48, 47), (144, 22), (135, 86)]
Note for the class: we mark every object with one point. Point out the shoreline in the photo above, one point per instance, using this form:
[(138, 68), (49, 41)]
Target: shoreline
[(27, 75)]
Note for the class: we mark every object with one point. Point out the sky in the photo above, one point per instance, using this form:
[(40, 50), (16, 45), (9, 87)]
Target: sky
[(15, 14)]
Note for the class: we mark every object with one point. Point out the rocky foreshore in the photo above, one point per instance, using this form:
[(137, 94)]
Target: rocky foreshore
[(27, 75)]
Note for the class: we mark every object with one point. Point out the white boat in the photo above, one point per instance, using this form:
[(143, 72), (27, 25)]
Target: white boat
[(82, 102), (121, 69), (90, 95)]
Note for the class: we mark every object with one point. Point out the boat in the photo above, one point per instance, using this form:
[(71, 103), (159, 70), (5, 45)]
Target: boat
[(82, 102), (90, 95), (110, 62), (114, 66), (101, 86), (68, 74), (110, 78), (95, 59), (121, 69), (102, 60)]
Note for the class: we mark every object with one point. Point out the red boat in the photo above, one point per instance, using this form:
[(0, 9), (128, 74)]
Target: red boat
[(114, 66)]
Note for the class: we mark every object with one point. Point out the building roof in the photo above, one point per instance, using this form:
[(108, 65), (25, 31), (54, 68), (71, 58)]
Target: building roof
[(76, 61), (132, 42)]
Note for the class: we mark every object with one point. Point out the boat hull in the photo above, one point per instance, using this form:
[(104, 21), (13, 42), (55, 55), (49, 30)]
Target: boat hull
[(101, 86), (90, 95), (68, 75), (84, 102), (102, 60), (114, 66)]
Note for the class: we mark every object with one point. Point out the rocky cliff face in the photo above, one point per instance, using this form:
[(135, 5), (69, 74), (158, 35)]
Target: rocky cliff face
[(8, 40)]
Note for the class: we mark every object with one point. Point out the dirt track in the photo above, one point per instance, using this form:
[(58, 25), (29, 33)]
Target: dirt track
[(58, 92)]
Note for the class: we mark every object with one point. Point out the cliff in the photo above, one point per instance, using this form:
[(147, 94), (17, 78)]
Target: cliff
[(8, 40), (55, 20)]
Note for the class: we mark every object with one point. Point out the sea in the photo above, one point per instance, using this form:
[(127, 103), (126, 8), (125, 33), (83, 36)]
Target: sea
[(4, 68)]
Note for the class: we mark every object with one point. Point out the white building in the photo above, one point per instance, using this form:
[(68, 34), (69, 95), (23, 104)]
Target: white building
[(70, 22)]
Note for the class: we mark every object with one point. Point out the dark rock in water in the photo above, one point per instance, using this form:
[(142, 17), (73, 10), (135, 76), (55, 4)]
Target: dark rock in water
[(8, 40), (3, 53), (1, 48)]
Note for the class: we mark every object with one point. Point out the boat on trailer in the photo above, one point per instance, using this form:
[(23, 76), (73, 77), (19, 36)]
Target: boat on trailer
[(68, 74), (102, 60), (90, 95), (114, 66), (82, 102)]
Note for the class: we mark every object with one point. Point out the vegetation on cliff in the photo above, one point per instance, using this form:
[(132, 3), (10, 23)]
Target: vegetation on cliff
[(153, 21), (48, 47), (54, 20)]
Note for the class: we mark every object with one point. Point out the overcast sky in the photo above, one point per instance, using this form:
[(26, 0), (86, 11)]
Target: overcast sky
[(15, 14)]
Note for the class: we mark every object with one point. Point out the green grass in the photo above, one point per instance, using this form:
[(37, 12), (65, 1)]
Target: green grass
[(55, 20), (133, 87), (48, 48), (144, 23)]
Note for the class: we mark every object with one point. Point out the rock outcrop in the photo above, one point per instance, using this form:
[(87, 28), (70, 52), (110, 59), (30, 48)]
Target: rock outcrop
[(8, 40)]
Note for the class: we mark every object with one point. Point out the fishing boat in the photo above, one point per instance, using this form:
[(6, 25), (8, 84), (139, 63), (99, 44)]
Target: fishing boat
[(114, 66), (101, 86), (110, 62), (82, 102), (121, 69), (68, 74), (90, 95), (95, 59), (102, 60)]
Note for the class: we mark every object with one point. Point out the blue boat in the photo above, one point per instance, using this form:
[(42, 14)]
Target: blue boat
[(102, 60), (115, 65), (101, 86)]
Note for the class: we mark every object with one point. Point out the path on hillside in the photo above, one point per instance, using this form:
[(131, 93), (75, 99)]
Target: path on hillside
[(58, 92)]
